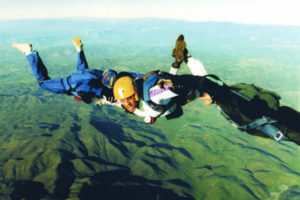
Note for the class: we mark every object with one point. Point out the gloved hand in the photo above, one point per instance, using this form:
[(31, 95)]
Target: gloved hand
[(108, 93), (86, 96)]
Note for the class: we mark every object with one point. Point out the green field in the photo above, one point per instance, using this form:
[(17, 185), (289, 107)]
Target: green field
[(52, 147)]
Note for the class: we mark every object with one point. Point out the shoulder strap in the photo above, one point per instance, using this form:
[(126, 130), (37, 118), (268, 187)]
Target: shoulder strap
[(148, 74), (149, 80)]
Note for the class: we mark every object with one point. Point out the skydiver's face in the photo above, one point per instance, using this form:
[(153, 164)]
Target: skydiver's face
[(129, 104)]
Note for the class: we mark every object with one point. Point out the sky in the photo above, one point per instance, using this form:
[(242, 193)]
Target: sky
[(284, 12)]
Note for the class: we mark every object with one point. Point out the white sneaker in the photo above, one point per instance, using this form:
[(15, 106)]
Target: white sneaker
[(26, 49)]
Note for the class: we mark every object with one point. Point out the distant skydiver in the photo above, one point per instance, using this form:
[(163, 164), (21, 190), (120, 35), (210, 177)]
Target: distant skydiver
[(88, 85), (248, 107)]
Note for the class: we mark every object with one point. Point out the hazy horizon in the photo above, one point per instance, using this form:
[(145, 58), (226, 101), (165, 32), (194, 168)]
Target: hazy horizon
[(264, 12)]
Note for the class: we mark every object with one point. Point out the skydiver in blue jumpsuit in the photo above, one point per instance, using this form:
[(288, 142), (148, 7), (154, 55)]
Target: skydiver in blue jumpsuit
[(88, 85)]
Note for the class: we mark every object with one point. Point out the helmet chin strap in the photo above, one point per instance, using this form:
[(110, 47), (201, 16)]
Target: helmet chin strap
[(120, 91), (136, 96)]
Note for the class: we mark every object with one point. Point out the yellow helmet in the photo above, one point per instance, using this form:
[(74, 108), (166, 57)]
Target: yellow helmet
[(124, 88)]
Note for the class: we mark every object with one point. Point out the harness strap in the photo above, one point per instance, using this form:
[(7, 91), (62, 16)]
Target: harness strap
[(215, 79), (148, 74), (272, 132), (265, 125), (240, 95), (256, 123), (227, 117)]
